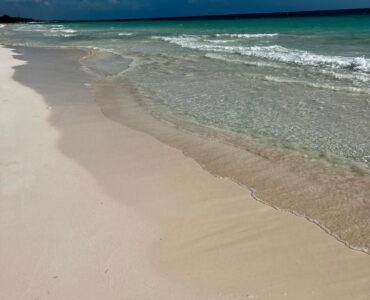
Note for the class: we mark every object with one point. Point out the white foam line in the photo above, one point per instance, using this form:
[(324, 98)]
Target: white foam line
[(314, 221), (247, 35), (274, 53), (125, 34)]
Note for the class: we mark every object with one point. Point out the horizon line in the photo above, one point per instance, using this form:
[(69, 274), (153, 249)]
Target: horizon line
[(285, 14)]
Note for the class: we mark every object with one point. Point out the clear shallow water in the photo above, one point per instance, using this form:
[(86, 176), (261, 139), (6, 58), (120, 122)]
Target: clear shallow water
[(299, 82)]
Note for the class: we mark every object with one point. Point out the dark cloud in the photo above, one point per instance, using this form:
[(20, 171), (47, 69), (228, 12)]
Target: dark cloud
[(106, 9)]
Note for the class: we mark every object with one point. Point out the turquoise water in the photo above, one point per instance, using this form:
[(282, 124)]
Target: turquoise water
[(294, 82)]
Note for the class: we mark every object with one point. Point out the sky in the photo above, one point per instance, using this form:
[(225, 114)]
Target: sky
[(114, 9)]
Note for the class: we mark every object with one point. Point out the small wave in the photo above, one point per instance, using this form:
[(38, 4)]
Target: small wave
[(249, 63), (220, 41), (68, 30), (183, 40), (62, 30), (66, 35), (31, 27), (125, 34), (58, 34), (300, 57), (348, 89), (363, 77), (2, 25), (247, 35), (178, 39), (275, 53), (53, 30)]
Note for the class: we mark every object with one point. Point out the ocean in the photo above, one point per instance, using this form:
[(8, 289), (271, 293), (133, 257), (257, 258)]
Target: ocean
[(288, 85)]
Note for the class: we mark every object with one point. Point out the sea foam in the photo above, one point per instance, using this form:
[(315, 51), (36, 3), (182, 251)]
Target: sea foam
[(247, 35), (273, 53)]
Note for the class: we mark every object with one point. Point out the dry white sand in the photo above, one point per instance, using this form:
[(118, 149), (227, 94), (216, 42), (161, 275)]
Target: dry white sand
[(144, 221)]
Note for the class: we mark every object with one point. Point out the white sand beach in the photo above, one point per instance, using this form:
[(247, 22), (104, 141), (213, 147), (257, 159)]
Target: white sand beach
[(91, 209)]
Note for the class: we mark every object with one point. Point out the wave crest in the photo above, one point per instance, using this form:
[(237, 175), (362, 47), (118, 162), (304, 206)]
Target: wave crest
[(275, 53), (247, 35)]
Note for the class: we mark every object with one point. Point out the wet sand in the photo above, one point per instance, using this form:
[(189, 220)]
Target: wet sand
[(92, 209)]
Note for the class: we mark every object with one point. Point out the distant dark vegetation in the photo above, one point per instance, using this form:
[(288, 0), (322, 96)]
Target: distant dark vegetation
[(8, 19), (314, 13), (292, 14)]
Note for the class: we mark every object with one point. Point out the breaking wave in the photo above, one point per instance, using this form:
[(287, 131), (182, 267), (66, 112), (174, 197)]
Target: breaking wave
[(247, 35), (48, 31), (125, 34), (275, 53)]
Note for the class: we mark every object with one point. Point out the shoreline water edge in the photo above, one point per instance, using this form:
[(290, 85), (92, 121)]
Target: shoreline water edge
[(282, 179), (322, 187)]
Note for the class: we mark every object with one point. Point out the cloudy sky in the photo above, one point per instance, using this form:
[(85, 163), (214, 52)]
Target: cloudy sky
[(110, 9)]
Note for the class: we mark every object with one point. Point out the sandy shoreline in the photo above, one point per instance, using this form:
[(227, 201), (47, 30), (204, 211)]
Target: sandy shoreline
[(91, 209)]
